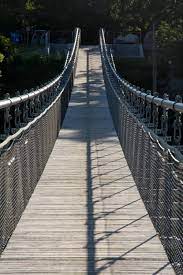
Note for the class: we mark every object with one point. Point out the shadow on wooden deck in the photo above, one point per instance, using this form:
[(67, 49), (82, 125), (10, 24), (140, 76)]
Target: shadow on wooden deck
[(92, 238)]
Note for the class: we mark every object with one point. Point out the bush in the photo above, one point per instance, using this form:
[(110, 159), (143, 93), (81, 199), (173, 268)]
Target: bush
[(6, 47), (1, 57), (28, 70), (26, 60), (31, 59)]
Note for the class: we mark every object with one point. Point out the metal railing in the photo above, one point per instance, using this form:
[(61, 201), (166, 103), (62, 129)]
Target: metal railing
[(150, 132), (17, 111), (163, 116), (30, 125)]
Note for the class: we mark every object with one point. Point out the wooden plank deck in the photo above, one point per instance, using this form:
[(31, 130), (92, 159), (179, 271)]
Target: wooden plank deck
[(86, 215)]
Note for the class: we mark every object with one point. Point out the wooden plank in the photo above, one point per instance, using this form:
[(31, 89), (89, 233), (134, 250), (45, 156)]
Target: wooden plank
[(86, 215)]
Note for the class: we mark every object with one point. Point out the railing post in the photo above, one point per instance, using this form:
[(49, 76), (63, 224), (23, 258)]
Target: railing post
[(25, 111), (142, 107), (177, 124), (148, 112), (165, 120), (156, 115), (16, 116), (7, 119)]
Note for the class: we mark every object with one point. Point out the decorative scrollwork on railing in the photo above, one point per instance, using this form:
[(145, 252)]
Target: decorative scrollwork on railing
[(150, 130)]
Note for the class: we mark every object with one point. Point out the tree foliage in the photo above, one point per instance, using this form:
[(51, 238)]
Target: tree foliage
[(167, 33), (1, 57), (6, 47), (166, 15), (126, 15), (142, 13), (31, 5)]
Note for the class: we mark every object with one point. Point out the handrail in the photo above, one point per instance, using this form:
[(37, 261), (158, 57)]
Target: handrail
[(150, 131), (21, 108), (19, 99), (159, 114), (164, 103), (29, 127), (67, 58)]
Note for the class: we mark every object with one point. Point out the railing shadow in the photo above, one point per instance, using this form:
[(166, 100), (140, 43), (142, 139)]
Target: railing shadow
[(96, 265), (90, 206)]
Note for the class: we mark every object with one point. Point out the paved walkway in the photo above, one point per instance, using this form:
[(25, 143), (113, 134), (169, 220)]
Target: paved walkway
[(86, 215)]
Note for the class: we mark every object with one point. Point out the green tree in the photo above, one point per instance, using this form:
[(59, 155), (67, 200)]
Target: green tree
[(143, 13), (167, 33)]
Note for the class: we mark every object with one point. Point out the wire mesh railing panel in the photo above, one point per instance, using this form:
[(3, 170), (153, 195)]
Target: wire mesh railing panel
[(156, 166), (26, 149)]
